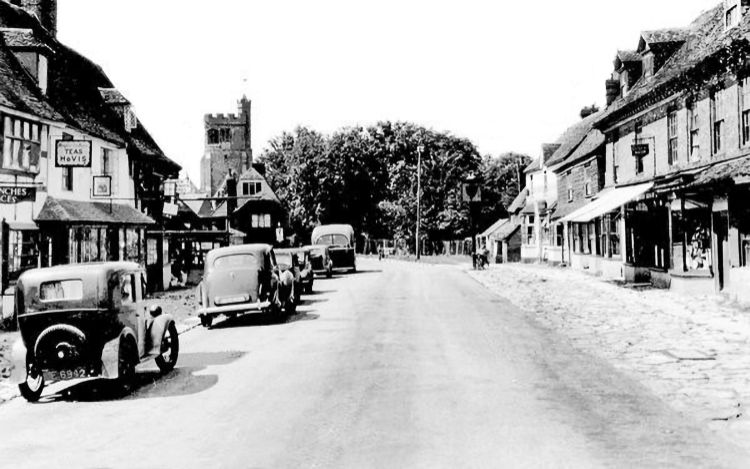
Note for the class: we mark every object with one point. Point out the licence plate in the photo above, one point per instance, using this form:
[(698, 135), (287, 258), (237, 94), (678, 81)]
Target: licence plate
[(230, 300), (63, 375)]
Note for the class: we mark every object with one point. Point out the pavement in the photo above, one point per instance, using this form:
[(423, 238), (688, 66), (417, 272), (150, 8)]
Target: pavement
[(691, 351), (400, 365)]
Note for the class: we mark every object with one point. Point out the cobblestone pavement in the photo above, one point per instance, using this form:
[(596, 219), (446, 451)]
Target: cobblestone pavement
[(691, 351), (181, 304)]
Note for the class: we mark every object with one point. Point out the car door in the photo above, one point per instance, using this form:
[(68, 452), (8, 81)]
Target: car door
[(130, 313)]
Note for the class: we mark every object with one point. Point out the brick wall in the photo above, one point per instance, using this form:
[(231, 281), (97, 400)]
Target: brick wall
[(575, 177)]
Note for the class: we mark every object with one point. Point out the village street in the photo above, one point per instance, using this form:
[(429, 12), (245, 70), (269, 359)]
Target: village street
[(400, 365)]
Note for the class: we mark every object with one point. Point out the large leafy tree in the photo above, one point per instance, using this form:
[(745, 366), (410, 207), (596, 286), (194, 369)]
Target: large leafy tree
[(502, 179), (367, 176)]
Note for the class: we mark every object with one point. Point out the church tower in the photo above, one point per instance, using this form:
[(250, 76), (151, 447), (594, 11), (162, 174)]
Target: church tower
[(228, 146)]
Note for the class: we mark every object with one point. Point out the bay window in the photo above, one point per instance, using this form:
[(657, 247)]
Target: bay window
[(24, 143)]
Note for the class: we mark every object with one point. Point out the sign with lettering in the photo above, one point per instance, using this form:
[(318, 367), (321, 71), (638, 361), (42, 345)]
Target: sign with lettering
[(73, 154), (170, 209), (15, 194), (640, 149)]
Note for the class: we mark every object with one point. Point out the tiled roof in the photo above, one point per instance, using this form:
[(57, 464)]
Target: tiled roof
[(23, 39), (62, 210), (519, 202), (628, 56), (507, 230), (113, 96), (18, 91), (593, 141), (494, 227), (704, 37), (665, 35), (533, 166), (572, 138), (722, 173)]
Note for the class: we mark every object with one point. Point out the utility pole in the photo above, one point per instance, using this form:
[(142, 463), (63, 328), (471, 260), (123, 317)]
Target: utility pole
[(420, 149)]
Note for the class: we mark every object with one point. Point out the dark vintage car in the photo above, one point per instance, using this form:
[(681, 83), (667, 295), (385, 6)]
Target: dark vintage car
[(297, 261), (245, 279), (88, 321), (340, 242), (320, 260)]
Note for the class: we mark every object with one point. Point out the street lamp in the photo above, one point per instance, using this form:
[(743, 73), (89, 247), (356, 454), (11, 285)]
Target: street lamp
[(420, 150)]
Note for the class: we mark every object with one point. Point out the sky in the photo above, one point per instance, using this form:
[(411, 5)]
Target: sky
[(507, 75)]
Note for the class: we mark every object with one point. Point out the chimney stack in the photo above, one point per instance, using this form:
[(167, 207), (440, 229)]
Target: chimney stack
[(589, 110), (44, 10), (613, 90)]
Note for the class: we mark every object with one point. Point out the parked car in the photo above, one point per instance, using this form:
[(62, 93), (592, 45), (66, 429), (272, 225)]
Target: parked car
[(302, 270), (340, 241), (320, 260), (245, 279), (88, 321)]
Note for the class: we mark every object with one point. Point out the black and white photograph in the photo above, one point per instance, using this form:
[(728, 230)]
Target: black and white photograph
[(245, 234)]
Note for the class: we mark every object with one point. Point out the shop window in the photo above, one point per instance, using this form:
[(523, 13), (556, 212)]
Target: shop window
[(576, 238), (23, 144), (88, 244), (614, 235), (261, 220), (152, 251), (594, 247), (692, 230), (603, 231), (131, 246), (673, 139), (559, 234), (23, 252)]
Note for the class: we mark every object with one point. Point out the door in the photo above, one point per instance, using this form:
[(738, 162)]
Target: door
[(130, 309), (721, 248)]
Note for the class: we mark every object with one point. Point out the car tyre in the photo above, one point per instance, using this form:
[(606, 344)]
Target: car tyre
[(170, 350), (127, 361), (206, 320), (32, 388), (309, 288)]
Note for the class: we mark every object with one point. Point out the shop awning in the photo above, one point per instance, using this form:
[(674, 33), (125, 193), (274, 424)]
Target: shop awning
[(22, 226), (607, 201), (75, 211)]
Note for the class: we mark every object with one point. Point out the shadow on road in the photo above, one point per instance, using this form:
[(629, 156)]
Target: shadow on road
[(181, 381), (260, 320)]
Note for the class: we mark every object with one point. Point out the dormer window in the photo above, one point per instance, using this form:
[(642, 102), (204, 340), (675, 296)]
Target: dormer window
[(31, 53), (648, 65)]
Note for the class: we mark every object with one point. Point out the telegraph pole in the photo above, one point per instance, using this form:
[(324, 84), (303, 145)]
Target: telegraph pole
[(420, 149)]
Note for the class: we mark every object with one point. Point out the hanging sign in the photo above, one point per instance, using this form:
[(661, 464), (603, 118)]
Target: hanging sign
[(15, 194), (472, 193), (640, 149), (170, 209), (73, 154), (102, 186)]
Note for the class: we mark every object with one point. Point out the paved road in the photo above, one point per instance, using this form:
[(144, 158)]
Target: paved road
[(398, 366)]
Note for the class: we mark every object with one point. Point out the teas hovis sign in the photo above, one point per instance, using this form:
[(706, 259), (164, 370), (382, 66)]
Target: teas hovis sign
[(73, 154)]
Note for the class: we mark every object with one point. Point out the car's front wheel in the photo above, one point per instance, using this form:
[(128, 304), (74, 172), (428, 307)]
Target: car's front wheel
[(127, 361), (170, 349), (32, 388)]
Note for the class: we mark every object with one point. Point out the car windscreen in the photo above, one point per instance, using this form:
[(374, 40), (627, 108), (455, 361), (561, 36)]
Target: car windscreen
[(333, 240), (284, 259), (61, 290), (236, 260)]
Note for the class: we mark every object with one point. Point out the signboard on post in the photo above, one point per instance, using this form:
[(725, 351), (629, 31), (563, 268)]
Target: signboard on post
[(15, 194), (170, 209), (640, 149), (102, 186), (472, 193), (73, 154)]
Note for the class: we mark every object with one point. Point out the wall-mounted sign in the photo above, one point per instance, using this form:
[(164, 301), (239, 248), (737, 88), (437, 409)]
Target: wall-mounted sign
[(640, 149), (170, 209), (102, 186), (14, 194), (472, 193), (73, 154)]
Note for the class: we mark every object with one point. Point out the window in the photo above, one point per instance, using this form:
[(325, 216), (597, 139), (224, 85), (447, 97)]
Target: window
[(24, 143), (529, 229), (587, 179), (603, 230), (106, 161), (745, 109), (694, 130), (23, 251), (559, 234), (261, 220), (569, 182), (236, 260), (639, 160), (673, 140), (88, 244), (717, 114), (545, 180), (615, 165), (152, 251), (62, 290), (614, 235), (127, 289), (593, 238), (225, 135), (576, 238), (731, 17), (213, 136), (132, 244), (67, 179), (251, 187)]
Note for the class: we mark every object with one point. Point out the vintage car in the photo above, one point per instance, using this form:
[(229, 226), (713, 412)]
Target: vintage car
[(340, 241), (320, 260), (245, 279), (88, 321), (302, 269)]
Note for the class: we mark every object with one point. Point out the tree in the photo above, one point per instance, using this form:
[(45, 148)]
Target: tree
[(502, 180)]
